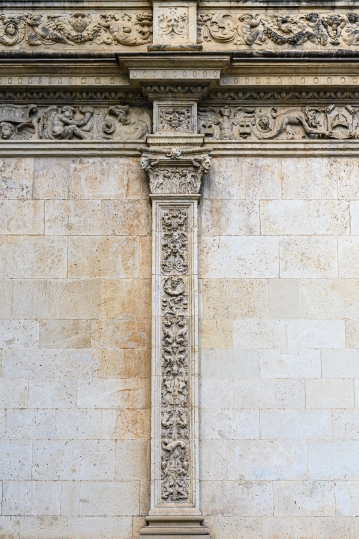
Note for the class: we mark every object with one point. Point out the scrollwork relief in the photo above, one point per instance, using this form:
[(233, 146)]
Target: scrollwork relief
[(264, 123), (174, 363), (76, 29), (291, 30), (73, 122), (173, 23)]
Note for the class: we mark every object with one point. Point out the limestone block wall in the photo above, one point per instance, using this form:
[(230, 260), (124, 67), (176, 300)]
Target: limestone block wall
[(75, 342), (279, 297)]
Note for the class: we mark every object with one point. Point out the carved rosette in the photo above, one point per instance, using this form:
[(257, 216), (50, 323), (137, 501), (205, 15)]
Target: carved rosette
[(175, 179)]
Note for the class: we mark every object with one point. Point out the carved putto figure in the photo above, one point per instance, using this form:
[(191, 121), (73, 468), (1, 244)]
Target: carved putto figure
[(60, 123), (15, 121)]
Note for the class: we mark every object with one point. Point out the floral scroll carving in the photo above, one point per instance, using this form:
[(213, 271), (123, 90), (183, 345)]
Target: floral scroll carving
[(76, 29), (174, 362), (293, 30)]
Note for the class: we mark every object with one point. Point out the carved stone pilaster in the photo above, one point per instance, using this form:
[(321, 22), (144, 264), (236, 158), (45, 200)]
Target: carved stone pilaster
[(175, 179)]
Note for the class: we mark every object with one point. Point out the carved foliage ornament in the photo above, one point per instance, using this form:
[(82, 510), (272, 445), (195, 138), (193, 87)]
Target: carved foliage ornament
[(71, 122), (174, 361), (248, 29), (175, 172), (37, 29), (261, 123)]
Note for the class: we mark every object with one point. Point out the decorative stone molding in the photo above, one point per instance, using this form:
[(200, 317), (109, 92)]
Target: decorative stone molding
[(175, 179), (174, 24)]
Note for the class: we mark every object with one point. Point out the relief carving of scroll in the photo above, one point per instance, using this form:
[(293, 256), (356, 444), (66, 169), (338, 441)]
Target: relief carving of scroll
[(175, 377), (74, 122), (72, 29), (293, 30), (263, 123)]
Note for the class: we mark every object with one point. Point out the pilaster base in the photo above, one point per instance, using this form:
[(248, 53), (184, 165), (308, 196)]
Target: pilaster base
[(174, 527)]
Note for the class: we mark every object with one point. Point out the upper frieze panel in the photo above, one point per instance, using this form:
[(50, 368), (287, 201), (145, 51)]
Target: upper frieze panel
[(284, 29), (99, 30)]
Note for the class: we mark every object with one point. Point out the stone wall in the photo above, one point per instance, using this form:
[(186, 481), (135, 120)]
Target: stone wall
[(75, 339), (279, 348)]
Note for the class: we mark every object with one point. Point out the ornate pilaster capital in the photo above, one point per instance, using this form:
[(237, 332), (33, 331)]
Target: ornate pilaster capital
[(175, 172)]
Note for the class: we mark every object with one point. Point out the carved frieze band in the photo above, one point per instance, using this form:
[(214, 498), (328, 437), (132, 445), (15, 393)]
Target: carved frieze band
[(279, 30), (75, 29)]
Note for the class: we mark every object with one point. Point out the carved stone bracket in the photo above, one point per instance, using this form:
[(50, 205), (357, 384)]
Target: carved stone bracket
[(175, 179)]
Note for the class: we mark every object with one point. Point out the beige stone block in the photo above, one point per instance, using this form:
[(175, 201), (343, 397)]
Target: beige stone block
[(6, 294), (130, 424), (145, 269), (304, 498), (216, 394), (237, 498), (234, 298), (105, 178), (126, 218), (33, 257), (283, 298), (289, 527), (302, 363), (132, 460), (33, 363), (127, 299), (229, 424), (117, 393), (43, 527), (254, 394), (216, 334), (308, 257), (329, 298), (236, 257), (296, 217), (73, 217), (309, 178), (213, 460), (52, 393), (105, 498), (316, 334), (262, 177), (145, 502), (65, 334), (336, 528), (348, 256), (10, 527), (21, 217), (216, 184), (340, 363), (346, 169), (352, 333), (51, 178), (254, 333), (101, 256), (2, 423), (16, 178), (19, 333), (124, 363), (356, 390), (30, 424), (13, 393), (289, 394), (114, 334), (73, 460), (347, 498), (254, 460), (16, 459), (100, 528), (139, 522), (346, 425), (333, 460), (31, 498), (234, 527), (226, 363), (78, 424), (354, 217), (57, 298), (333, 393), (295, 424), (221, 217)]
